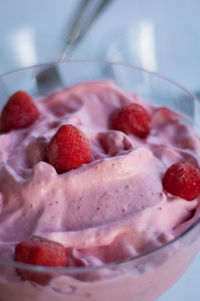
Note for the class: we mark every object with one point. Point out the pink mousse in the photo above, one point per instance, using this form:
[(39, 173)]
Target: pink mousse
[(111, 209)]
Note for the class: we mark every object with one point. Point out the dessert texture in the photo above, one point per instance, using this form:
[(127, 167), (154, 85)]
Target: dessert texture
[(110, 208)]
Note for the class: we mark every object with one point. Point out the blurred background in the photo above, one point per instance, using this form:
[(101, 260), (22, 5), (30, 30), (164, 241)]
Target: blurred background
[(158, 35)]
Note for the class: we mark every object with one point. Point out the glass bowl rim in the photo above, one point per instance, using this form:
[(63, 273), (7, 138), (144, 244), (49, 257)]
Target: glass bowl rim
[(45, 269)]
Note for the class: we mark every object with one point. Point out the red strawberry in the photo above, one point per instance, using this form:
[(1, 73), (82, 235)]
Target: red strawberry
[(132, 119), (41, 252), (19, 112), (69, 148), (183, 180)]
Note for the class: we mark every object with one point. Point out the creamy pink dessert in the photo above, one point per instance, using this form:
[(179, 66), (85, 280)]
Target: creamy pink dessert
[(108, 210)]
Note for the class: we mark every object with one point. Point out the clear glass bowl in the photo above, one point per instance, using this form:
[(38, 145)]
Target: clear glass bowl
[(145, 277)]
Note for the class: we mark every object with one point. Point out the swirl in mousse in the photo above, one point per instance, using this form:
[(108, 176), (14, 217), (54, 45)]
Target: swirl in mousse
[(92, 175)]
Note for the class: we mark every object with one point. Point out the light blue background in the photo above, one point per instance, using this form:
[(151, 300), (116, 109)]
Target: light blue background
[(42, 24), (32, 31)]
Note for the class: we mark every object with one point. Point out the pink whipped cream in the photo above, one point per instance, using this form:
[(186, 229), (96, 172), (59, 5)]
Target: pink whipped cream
[(111, 209)]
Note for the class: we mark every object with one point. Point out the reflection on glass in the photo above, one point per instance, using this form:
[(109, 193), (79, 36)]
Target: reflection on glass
[(23, 43), (147, 45)]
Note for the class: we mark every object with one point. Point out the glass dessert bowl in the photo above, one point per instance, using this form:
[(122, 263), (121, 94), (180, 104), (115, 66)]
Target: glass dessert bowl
[(114, 257)]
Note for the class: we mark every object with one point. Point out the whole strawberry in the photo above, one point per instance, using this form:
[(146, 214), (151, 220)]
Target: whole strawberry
[(182, 179), (69, 148), (41, 252), (19, 112), (132, 119)]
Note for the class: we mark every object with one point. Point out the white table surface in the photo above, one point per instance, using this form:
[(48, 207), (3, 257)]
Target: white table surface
[(31, 32)]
